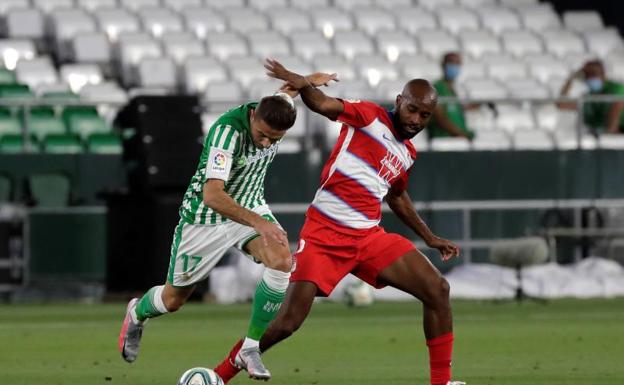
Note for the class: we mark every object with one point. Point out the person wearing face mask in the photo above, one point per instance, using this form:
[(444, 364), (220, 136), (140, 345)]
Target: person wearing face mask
[(598, 116), (448, 119)]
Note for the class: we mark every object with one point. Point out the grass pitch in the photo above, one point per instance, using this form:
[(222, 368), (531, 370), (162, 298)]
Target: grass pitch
[(564, 342)]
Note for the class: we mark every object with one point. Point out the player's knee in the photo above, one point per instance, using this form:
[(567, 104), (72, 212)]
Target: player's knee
[(173, 303), (441, 292), (281, 261)]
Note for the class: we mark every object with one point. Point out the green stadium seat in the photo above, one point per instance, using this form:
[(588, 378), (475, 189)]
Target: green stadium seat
[(62, 144), (84, 121), (5, 188), (10, 125), (7, 76), (64, 95), (104, 144), (14, 144), (49, 190), (15, 91)]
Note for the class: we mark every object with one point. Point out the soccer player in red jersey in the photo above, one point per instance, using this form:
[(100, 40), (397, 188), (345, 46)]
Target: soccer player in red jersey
[(341, 235)]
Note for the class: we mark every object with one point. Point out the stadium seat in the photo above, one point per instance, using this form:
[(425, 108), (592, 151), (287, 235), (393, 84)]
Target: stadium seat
[(134, 47), (91, 48), (294, 63), (179, 5), (12, 50), (393, 44), (518, 3), (352, 43), (92, 5), (539, 17), (603, 42), (421, 142), (310, 44), (480, 119), (220, 4), (261, 88), (104, 144), (83, 121), (330, 20), (523, 88), (309, 4), (491, 140), (25, 23), (484, 89), (103, 93), (413, 19), (392, 4), (198, 72), (42, 126), (157, 72), (78, 75), (611, 141), (6, 76), (471, 69), (582, 21), (334, 64), (352, 5), (521, 42), (449, 144), (419, 66), (503, 68), (203, 21), (562, 42), (374, 68), (36, 71), (6, 187), (373, 20), (15, 91), (55, 91), (14, 144), (222, 93), (288, 20), (436, 43), (181, 45), (48, 6), (263, 5), (224, 45), (433, 4), (7, 5), (512, 118), (157, 21), (62, 144), (532, 140), (455, 19), (49, 190), (389, 89), (478, 42), (614, 65), (65, 25), (574, 61), (245, 70), (476, 4), (351, 89), (245, 20), (268, 44), (498, 19), (136, 5), (10, 125), (544, 67), (115, 21)]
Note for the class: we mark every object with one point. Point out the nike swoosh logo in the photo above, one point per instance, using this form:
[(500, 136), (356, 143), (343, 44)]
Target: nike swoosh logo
[(385, 137)]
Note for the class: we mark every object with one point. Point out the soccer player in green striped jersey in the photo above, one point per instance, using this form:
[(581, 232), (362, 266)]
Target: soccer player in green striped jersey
[(224, 207)]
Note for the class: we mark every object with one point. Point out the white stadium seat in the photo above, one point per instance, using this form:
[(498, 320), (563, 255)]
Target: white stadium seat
[(518, 3), (419, 66), (533, 140), (334, 64), (478, 42), (539, 17), (47, 89), (220, 4), (35, 72), (603, 42), (480, 119), (226, 44), (351, 43), (263, 87), (472, 69), (79, 75), (224, 92), (12, 50), (614, 66), (135, 5), (485, 89), (436, 43), (246, 70), (7, 5), (245, 20), (544, 67), (263, 5), (392, 4), (394, 44), (521, 42), (413, 19), (179, 5), (47, 6), (182, 45), (498, 19), (433, 4), (351, 5), (512, 118), (503, 68), (449, 144), (456, 19), (133, 48), (309, 4), (581, 21), (157, 72), (268, 44), (351, 89), (91, 48), (562, 42), (374, 68), (310, 44), (295, 64), (287, 20), (574, 61), (199, 72), (491, 140), (476, 4), (611, 141), (389, 89), (103, 93), (203, 21), (330, 20), (25, 23), (373, 20), (158, 20), (115, 21), (421, 142), (526, 88), (65, 25), (91, 5)]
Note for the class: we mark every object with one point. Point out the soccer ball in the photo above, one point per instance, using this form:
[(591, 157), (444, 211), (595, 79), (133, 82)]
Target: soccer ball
[(200, 376), (359, 294)]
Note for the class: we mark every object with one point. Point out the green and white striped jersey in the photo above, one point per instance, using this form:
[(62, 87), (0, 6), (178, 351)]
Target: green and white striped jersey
[(229, 154)]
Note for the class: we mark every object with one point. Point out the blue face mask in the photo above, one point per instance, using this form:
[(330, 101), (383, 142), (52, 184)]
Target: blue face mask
[(594, 84), (451, 71)]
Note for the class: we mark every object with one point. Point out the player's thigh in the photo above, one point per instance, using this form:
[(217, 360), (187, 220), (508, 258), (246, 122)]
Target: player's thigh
[(196, 249), (273, 254), (415, 274)]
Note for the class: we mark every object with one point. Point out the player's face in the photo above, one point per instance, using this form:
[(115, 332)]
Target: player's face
[(263, 135), (413, 115)]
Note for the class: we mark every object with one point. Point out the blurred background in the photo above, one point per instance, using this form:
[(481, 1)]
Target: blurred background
[(104, 103)]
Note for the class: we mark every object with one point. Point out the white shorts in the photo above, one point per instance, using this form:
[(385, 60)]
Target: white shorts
[(196, 249)]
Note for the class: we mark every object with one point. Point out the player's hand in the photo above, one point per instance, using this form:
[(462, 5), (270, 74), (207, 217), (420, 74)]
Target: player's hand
[(447, 248), (268, 230), (318, 79), (276, 70)]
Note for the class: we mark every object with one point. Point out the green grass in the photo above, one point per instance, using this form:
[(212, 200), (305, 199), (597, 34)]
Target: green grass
[(564, 342)]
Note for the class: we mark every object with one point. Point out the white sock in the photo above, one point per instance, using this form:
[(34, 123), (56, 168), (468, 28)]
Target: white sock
[(158, 301), (276, 280)]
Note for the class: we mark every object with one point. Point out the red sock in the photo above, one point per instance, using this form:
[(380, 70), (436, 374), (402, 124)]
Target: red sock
[(440, 352), (226, 369)]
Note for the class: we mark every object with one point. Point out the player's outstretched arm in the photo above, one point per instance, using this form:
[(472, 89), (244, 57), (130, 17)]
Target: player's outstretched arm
[(313, 98), (401, 205), (215, 197), (316, 79)]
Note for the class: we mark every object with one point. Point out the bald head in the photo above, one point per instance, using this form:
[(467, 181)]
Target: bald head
[(414, 107), (421, 90)]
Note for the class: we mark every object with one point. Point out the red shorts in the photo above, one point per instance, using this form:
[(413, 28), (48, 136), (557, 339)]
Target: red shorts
[(325, 256)]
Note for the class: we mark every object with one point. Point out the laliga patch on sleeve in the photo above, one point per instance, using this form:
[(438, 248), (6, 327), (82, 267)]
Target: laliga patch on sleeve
[(219, 164)]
